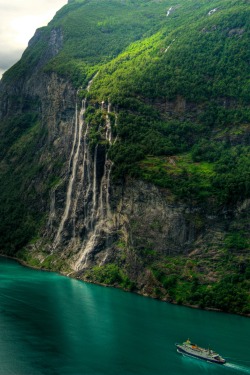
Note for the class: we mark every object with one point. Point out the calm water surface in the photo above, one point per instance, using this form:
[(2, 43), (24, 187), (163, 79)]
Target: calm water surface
[(51, 324)]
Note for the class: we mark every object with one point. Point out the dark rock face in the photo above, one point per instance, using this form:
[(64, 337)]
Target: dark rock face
[(87, 214), (54, 43), (152, 221), (91, 210)]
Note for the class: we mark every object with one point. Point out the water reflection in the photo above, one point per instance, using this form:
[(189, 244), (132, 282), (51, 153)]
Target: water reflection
[(55, 325)]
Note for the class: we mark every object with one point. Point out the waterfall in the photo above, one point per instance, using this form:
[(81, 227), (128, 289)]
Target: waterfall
[(108, 163), (91, 81), (212, 11), (101, 210), (109, 168), (78, 126), (94, 191), (75, 135), (73, 168), (104, 203), (87, 183), (116, 119), (103, 214), (86, 220), (108, 126), (169, 11), (98, 222), (84, 168), (166, 50)]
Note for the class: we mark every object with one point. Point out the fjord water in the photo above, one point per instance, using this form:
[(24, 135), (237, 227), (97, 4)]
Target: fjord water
[(50, 324)]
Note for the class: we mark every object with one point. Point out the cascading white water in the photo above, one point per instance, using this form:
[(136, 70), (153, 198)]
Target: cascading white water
[(79, 126), (108, 126), (71, 205), (84, 167), (87, 218), (75, 136), (94, 190), (166, 50), (109, 168), (116, 119), (102, 200), (101, 211), (169, 11), (212, 11), (105, 185)]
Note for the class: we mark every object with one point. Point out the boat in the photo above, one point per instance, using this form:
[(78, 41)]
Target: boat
[(192, 350)]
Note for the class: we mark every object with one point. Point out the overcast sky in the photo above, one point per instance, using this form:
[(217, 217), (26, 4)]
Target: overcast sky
[(19, 20)]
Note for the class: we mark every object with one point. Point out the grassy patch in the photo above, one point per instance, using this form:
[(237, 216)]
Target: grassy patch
[(109, 274), (180, 174), (188, 281)]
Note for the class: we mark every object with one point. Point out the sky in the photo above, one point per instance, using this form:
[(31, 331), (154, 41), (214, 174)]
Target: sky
[(19, 21)]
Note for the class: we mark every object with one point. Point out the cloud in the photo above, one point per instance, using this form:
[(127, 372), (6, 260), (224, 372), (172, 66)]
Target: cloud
[(19, 20)]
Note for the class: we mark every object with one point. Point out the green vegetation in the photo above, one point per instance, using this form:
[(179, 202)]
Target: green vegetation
[(170, 104), (91, 33), (237, 242), (19, 219), (109, 274), (42, 260), (24, 184), (192, 281)]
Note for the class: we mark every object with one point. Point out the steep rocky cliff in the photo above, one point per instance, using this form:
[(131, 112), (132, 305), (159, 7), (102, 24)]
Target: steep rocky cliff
[(107, 177)]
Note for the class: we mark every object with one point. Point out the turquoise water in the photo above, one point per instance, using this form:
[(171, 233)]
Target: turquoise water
[(51, 324)]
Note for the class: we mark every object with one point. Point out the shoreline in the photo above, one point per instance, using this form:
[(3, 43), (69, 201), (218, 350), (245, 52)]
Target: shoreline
[(209, 309)]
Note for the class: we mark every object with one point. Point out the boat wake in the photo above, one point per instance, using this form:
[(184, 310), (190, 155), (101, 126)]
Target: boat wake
[(233, 366), (237, 367)]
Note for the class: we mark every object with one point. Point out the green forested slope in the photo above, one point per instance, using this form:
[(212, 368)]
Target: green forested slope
[(205, 67), (94, 32), (183, 123)]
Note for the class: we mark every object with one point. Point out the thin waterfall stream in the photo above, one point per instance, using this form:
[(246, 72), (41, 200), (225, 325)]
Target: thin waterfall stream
[(75, 154), (87, 218), (76, 168), (101, 211)]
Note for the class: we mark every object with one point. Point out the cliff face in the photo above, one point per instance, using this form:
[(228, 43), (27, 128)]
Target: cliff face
[(116, 186), (87, 213)]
